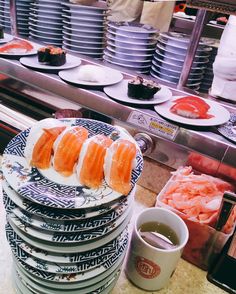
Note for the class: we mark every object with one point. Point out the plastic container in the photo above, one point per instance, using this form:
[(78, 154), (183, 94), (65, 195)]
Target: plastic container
[(205, 243)]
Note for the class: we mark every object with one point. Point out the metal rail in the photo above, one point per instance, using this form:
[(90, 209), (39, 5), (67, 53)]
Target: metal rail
[(201, 141)]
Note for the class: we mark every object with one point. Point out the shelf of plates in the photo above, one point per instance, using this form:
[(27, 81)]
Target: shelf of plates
[(175, 144)]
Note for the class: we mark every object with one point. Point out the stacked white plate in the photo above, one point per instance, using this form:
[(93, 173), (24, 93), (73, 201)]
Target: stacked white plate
[(130, 45), (170, 55), (83, 29), (208, 75), (45, 21), (22, 13), (65, 238)]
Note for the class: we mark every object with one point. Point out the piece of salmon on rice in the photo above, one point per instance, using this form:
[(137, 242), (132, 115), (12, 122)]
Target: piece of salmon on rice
[(119, 162), (91, 161), (67, 148)]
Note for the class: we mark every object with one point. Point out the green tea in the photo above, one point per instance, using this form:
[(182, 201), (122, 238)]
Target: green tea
[(161, 229)]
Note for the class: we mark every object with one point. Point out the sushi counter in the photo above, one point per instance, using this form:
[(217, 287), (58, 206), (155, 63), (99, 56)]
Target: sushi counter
[(172, 142), (168, 144)]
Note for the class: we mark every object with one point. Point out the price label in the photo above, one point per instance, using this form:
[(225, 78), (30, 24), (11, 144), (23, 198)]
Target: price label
[(155, 125)]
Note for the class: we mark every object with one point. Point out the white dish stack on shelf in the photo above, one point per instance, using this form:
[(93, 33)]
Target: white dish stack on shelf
[(64, 238), (208, 75), (169, 57), (45, 21), (22, 13), (130, 45), (83, 28)]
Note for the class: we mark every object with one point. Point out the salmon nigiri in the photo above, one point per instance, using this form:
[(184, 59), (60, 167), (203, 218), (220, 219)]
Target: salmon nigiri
[(16, 46), (67, 148), (119, 162), (39, 144), (91, 161)]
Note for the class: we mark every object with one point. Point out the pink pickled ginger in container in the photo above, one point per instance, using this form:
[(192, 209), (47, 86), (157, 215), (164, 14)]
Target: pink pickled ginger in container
[(197, 200)]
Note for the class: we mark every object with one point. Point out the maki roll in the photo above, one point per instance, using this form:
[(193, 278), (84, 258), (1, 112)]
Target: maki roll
[(44, 54), (1, 32), (135, 88), (139, 88), (51, 55), (57, 57), (150, 88)]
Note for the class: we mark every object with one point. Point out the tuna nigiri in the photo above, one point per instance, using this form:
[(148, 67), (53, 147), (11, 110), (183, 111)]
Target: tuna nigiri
[(67, 148), (39, 144), (193, 99), (191, 107), (16, 46), (90, 166), (119, 162)]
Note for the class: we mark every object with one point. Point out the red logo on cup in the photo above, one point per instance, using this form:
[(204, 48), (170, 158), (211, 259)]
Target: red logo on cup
[(147, 268)]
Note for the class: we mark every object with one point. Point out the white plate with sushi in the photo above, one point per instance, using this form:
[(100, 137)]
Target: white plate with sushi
[(53, 188), (91, 75), (32, 62), (119, 92), (7, 38), (216, 113)]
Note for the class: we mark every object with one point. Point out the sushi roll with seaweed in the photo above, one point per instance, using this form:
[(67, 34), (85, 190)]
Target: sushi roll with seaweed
[(57, 56), (139, 88), (1, 33), (44, 54)]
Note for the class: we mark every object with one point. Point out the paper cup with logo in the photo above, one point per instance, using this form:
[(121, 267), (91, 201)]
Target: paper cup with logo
[(148, 267)]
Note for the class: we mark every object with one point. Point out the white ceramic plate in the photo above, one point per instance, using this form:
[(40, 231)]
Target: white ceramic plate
[(119, 92), (65, 268), (63, 257), (17, 55), (112, 76), (13, 200), (51, 189), (221, 115), (70, 248), (106, 276), (32, 62), (7, 38), (80, 237), (36, 284)]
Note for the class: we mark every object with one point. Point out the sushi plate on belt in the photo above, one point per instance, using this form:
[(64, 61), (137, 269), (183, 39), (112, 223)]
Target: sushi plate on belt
[(119, 92), (220, 114), (32, 62), (49, 188)]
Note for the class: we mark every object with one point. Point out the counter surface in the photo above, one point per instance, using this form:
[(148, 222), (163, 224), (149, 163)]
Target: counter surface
[(186, 279)]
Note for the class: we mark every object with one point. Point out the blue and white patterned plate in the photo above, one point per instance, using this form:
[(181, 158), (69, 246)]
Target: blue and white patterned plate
[(65, 226), (82, 237), (40, 288), (65, 268), (112, 263), (49, 188), (36, 253), (228, 130), (98, 280), (13, 200), (70, 248)]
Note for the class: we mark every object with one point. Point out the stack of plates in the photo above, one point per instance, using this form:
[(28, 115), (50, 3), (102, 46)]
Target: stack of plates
[(22, 12), (64, 238), (208, 75), (83, 29), (130, 45), (45, 22), (170, 55)]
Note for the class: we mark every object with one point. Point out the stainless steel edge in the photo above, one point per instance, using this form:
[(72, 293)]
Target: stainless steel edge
[(173, 153)]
